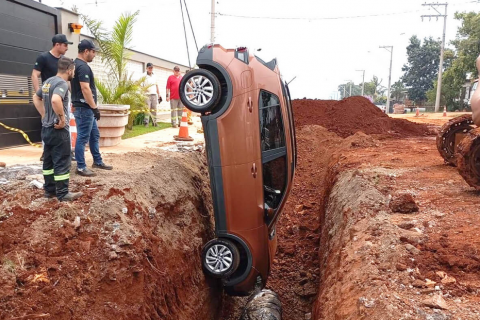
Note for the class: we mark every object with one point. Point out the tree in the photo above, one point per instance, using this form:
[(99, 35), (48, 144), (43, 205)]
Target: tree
[(120, 88), (461, 62), (375, 89), (398, 91), (421, 68), (356, 89)]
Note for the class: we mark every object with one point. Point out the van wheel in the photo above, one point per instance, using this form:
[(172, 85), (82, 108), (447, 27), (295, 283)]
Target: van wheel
[(200, 90), (220, 258)]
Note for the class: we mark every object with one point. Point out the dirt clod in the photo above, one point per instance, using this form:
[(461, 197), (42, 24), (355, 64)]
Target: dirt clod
[(403, 203)]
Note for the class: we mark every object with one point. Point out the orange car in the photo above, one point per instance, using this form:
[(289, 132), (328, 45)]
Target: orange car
[(250, 141)]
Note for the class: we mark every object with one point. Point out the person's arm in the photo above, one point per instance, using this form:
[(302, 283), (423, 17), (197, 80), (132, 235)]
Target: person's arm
[(59, 94), (57, 106), (87, 94), (37, 71), (35, 76), (38, 102), (168, 89), (475, 101), (158, 91)]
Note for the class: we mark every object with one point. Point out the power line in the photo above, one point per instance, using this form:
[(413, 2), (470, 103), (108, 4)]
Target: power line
[(333, 18)]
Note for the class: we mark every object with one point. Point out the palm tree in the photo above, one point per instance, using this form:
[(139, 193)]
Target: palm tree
[(398, 89), (119, 88)]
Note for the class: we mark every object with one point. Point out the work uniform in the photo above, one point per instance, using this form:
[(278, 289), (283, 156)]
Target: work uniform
[(152, 98), (87, 129), (57, 161)]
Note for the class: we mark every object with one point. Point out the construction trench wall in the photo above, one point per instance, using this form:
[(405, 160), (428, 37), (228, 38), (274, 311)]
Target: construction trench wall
[(342, 253)]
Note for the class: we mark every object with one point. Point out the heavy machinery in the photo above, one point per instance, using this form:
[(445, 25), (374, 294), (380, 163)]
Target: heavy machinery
[(458, 142)]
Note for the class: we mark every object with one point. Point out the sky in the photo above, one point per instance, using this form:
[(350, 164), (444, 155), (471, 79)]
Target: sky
[(320, 42)]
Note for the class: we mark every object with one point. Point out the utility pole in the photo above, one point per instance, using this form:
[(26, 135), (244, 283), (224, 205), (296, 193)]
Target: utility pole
[(389, 49), (442, 48), (363, 81), (212, 23), (345, 86)]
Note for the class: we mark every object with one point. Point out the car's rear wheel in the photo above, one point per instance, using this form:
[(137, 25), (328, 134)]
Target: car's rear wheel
[(200, 90), (220, 258)]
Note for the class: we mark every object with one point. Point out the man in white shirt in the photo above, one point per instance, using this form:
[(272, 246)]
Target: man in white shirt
[(153, 95)]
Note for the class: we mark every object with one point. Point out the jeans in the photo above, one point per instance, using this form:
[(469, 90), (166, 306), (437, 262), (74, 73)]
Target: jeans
[(87, 131)]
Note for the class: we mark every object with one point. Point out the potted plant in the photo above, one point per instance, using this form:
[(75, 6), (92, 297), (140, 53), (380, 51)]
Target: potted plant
[(120, 96)]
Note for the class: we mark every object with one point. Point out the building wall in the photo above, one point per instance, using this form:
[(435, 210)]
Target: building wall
[(136, 65)]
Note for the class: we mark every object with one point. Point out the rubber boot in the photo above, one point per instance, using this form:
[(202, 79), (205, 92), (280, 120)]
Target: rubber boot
[(49, 186), (72, 196)]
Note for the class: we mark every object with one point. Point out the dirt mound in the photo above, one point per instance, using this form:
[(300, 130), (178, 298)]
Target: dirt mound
[(129, 249), (348, 116)]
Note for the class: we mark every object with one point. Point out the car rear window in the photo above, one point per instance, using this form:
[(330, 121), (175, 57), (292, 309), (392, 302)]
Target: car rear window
[(271, 124)]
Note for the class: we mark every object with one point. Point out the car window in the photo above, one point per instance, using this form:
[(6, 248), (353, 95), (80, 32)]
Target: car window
[(271, 124), (274, 179), (274, 153)]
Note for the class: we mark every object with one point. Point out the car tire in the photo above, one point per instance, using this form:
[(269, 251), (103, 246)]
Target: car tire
[(200, 90), (220, 258)]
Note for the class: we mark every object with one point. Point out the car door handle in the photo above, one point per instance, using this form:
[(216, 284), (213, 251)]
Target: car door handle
[(250, 104), (254, 170)]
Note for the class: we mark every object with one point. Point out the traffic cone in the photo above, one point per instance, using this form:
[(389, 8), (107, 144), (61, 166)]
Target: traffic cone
[(444, 111), (183, 132), (73, 132), (417, 114)]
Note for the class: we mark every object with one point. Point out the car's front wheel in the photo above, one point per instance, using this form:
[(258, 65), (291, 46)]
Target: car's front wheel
[(200, 90), (220, 258)]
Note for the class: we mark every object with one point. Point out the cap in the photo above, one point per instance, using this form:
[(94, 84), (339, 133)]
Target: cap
[(60, 38), (87, 44), (149, 65)]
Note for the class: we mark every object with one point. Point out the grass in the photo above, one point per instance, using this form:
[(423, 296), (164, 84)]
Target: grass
[(138, 130)]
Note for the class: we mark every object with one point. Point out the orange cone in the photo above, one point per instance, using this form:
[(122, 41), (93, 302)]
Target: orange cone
[(73, 132), (417, 114), (444, 111), (183, 133)]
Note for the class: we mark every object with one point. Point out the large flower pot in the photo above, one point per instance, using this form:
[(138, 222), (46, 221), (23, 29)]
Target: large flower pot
[(113, 119)]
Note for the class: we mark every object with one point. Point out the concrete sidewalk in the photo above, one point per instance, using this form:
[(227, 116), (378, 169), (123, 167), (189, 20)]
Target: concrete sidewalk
[(157, 139)]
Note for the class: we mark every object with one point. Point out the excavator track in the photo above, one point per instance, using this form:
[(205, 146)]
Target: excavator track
[(468, 158), (447, 134)]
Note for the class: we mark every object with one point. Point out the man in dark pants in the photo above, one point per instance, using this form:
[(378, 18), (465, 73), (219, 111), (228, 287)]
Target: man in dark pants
[(84, 99), (46, 64), (51, 101)]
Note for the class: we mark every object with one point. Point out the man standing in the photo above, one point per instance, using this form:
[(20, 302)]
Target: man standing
[(51, 101), (84, 100), (47, 62), (176, 107), (153, 95)]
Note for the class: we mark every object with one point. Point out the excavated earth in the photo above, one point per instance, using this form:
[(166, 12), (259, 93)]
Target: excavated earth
[(129, 249), (376, 227)]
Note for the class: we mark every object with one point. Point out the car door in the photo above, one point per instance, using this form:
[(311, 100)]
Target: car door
[(274, 153)]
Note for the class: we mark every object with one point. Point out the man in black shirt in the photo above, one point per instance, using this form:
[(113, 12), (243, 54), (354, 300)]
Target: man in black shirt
[(51, 102), (84, 100), (47, 63)]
